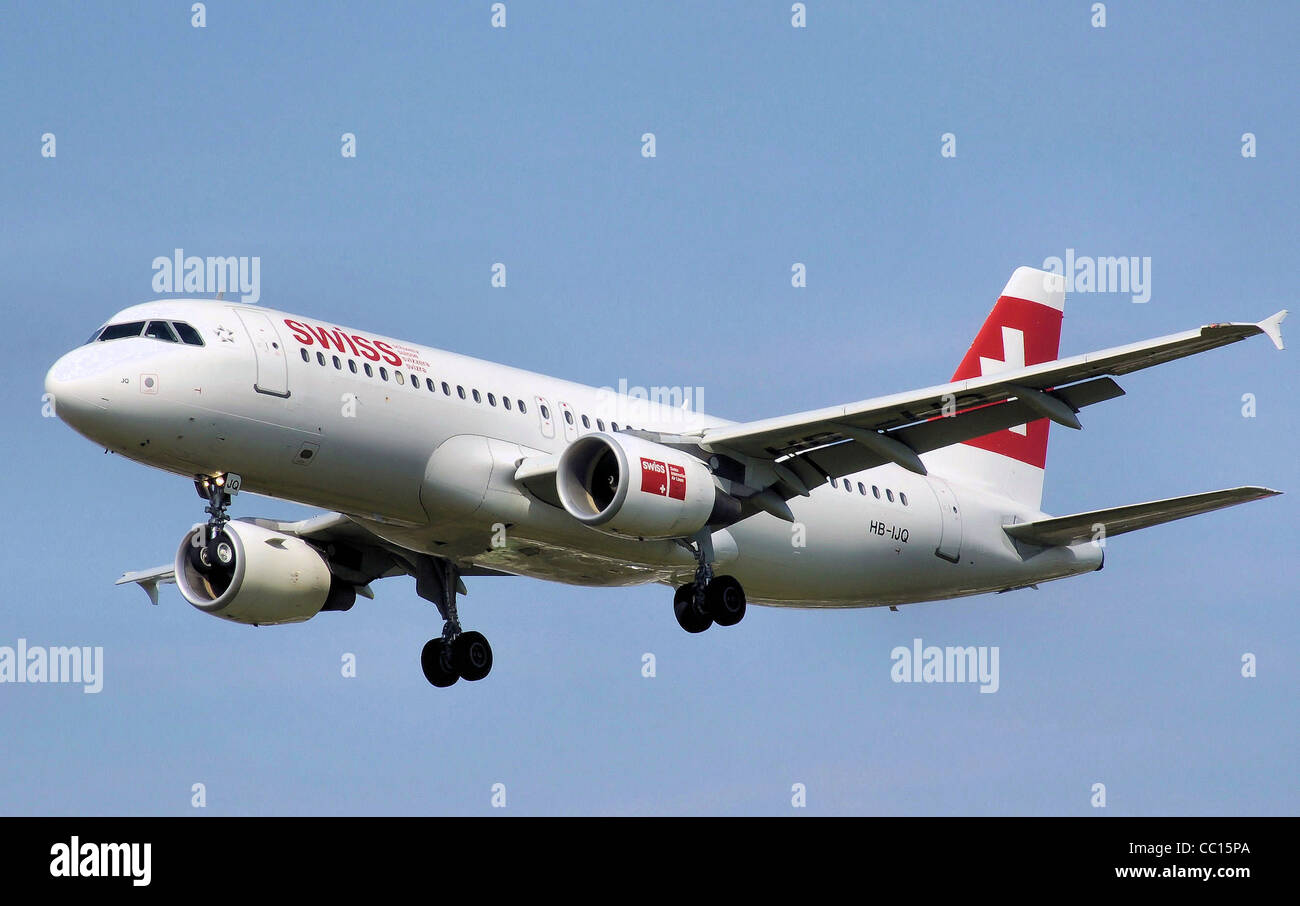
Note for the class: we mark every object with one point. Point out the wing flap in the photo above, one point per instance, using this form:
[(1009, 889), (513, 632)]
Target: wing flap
[(1067, 530), (849, 457)]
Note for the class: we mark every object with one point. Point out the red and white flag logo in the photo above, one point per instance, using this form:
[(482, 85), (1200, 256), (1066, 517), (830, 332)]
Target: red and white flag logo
[(664, 479), (1018, 332)]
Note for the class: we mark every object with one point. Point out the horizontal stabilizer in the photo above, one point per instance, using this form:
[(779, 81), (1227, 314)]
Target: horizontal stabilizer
[(1067, 530)]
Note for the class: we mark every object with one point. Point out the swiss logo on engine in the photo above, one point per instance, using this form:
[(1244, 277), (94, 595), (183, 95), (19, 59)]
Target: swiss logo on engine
[(664, 479)]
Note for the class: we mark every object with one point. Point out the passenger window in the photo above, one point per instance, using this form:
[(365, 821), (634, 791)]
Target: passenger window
[(121, 331), (848, 486), (902, 498), (862, 489), (338, 364), (568, 416), (460, 391), (320, 358), (505, 401), (586, 422), (370, 372), (160, 330), (306, 358), (352, 365), (446, 389), (430, 386), (477, 398), (383, 373), (889, 494), (397, 376), (835, 484), (546, 413), (189, 336), (492, 400), (522, 408), (875, 490)]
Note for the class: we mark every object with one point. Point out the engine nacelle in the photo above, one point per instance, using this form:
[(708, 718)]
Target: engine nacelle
[(271, 577), (624, 485)]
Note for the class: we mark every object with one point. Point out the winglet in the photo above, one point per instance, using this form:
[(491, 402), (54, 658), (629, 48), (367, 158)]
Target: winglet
[(150, 587), (1272, 327), (149, 580)]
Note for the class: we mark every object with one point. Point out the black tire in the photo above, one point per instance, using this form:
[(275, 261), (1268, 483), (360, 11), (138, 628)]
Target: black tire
[(689, 617), (435, 660), (725, 600), (471, 656)]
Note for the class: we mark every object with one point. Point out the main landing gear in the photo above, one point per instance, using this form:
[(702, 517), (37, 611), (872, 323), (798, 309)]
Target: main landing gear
[(455, 654), (708, 599)]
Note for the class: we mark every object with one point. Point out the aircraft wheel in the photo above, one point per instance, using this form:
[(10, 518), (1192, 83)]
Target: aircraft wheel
[(471, 655), (689, 617), (725, 600), (435, 660)]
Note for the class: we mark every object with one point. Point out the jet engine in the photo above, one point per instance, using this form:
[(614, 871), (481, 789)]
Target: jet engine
[(257, 576), (624, 485)]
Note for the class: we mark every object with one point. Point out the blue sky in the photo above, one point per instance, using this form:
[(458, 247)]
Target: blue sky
[(774, 145)]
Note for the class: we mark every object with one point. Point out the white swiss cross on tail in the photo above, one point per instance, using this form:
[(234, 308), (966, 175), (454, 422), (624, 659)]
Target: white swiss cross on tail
[(1013, 357)]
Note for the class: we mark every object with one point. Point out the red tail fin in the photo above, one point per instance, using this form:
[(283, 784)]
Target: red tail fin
[(1024, 328)]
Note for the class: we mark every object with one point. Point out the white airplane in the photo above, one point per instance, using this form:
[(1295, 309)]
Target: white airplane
[(440, 466)]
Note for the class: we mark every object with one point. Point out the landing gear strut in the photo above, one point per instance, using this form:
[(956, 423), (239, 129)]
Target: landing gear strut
[(708, 599), (211, 552), (456, 653)]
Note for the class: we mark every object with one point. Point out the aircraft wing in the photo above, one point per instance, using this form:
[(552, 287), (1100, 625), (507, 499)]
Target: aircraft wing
[(802, 450), (1066, 530)]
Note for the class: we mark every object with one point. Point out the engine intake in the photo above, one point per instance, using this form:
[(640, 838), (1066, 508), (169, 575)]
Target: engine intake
[(624, 485), (270, 577)]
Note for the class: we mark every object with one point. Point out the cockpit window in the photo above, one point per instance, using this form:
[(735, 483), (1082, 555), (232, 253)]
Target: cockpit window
[(121, 331), (189, 336), (94, 336), (160, 330)]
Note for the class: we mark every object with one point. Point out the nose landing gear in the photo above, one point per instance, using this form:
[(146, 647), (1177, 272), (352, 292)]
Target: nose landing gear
[(211, 552)]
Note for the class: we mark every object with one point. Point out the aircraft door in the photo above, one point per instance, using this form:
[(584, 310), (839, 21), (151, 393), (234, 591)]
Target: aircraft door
[(570, 421), (545, 417), (949, 521), (272, 366)]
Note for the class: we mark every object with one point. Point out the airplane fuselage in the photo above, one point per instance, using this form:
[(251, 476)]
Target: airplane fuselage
[(421, 446)]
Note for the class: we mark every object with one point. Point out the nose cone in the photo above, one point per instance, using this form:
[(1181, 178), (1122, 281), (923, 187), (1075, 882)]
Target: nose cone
[(77, 385)]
